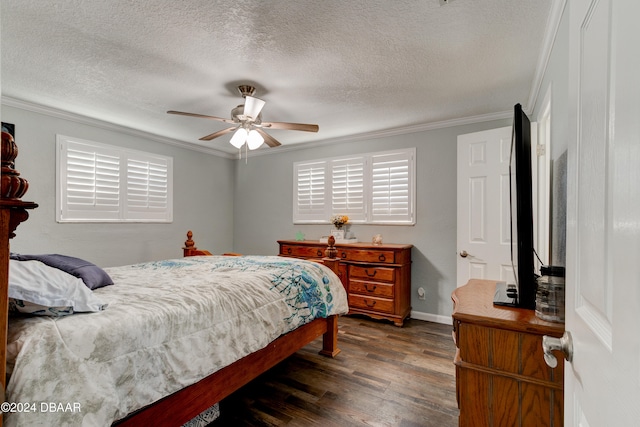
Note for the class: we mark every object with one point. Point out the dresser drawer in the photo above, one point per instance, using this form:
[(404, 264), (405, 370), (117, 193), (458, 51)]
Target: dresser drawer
[(371, 288), (363, 302), (361, 255), (302, 251), (378, 274)]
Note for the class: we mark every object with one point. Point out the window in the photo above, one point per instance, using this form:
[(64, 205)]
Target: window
[(103, 183), (374, 188)]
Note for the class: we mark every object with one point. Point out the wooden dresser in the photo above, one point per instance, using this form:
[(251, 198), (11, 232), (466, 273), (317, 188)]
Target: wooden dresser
[(501, 376), (377, 278)]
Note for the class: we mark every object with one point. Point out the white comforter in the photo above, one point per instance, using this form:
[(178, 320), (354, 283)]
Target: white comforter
[(168, 324)]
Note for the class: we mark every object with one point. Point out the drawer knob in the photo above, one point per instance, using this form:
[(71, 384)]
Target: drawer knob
[(344, 255), (319, 253), (369, 274), (289, 251), (366, 286), (382, 258), (370, 304)]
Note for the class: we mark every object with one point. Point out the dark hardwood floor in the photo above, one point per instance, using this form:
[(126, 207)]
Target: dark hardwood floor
[(384, 376)]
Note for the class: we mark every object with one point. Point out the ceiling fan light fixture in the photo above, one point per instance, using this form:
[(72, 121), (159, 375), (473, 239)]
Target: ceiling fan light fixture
[(238, 139), (254, 139), (246, 117), (252, 107)]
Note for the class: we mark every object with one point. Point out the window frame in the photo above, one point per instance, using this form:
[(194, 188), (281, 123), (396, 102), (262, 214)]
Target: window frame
[(324, 195), (110, 170)]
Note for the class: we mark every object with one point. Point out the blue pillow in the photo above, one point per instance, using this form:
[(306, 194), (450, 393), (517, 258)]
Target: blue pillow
[(92, 275)]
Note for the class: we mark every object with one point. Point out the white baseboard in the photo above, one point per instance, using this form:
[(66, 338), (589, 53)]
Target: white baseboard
[(428, 317)]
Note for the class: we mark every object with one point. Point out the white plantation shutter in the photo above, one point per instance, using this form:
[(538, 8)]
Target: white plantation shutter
[(369, 188), (347, 188), (148, 191), (102, 183), (309, 191), (90, 182), (392, 188)]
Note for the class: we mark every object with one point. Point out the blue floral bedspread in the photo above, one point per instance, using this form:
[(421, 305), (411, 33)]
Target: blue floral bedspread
[(168, 324)]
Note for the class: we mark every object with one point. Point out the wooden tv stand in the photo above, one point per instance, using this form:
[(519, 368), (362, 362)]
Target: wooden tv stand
[(501, 376)]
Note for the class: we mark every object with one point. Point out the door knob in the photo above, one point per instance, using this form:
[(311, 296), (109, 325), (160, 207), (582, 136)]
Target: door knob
[(563, 344), (464, 254)]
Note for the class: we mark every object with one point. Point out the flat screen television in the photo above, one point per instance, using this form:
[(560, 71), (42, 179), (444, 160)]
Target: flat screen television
[(523, 294)]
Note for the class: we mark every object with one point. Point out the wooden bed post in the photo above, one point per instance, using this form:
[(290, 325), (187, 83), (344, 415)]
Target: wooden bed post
[(190, 249), (13, 211), (330, 338)]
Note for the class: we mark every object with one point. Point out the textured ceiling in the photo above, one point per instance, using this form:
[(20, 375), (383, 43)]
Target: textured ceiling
[(352, 67)]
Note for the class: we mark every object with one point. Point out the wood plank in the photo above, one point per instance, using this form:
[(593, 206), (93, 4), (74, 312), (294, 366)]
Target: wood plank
[(384, 376)]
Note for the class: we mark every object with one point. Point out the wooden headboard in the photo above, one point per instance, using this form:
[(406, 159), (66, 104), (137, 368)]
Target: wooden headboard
[(190, 249), (13, 211)]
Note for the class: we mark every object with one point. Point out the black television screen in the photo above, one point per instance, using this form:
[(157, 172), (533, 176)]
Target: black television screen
[(521, 200), (522, 250)]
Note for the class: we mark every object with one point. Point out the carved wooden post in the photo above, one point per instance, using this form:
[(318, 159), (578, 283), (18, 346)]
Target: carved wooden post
[(189, 244), (330, 338), (331, 259), (13, 211)]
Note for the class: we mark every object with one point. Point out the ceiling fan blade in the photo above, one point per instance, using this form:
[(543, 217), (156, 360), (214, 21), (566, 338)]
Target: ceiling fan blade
[(202, 116), (217, 134), (253, 106), (268, 139), (291, 126)]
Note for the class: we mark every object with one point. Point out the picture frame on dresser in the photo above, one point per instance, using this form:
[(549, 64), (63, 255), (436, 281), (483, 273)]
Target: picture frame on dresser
[(338, 234)]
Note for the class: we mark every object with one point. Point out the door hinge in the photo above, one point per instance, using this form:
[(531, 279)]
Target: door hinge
[(541, 150)]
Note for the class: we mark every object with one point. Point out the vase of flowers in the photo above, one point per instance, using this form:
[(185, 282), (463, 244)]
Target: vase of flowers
[(338, 222)]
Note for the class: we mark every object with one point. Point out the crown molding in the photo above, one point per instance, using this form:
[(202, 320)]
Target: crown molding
[(553, 25), (85, 120), (403, 130)]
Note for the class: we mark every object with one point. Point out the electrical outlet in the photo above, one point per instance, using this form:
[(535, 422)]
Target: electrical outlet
[(421, 293)]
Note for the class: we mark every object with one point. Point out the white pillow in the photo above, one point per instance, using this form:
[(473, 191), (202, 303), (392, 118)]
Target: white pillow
[(36, 288)]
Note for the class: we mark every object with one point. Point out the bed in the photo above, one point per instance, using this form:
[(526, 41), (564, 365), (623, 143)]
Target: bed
[(127, 362)]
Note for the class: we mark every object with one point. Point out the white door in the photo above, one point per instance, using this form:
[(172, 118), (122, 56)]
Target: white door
[(484, 243), (602, 384)]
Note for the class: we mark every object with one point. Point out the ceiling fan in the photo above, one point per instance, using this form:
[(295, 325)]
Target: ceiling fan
[(247, 123)]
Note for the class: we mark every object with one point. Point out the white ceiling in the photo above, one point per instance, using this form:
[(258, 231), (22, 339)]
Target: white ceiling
[(352, 67)]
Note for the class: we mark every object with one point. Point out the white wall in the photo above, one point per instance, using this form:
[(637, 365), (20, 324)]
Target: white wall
[(263, 207), (203, 198), (556, 83)]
